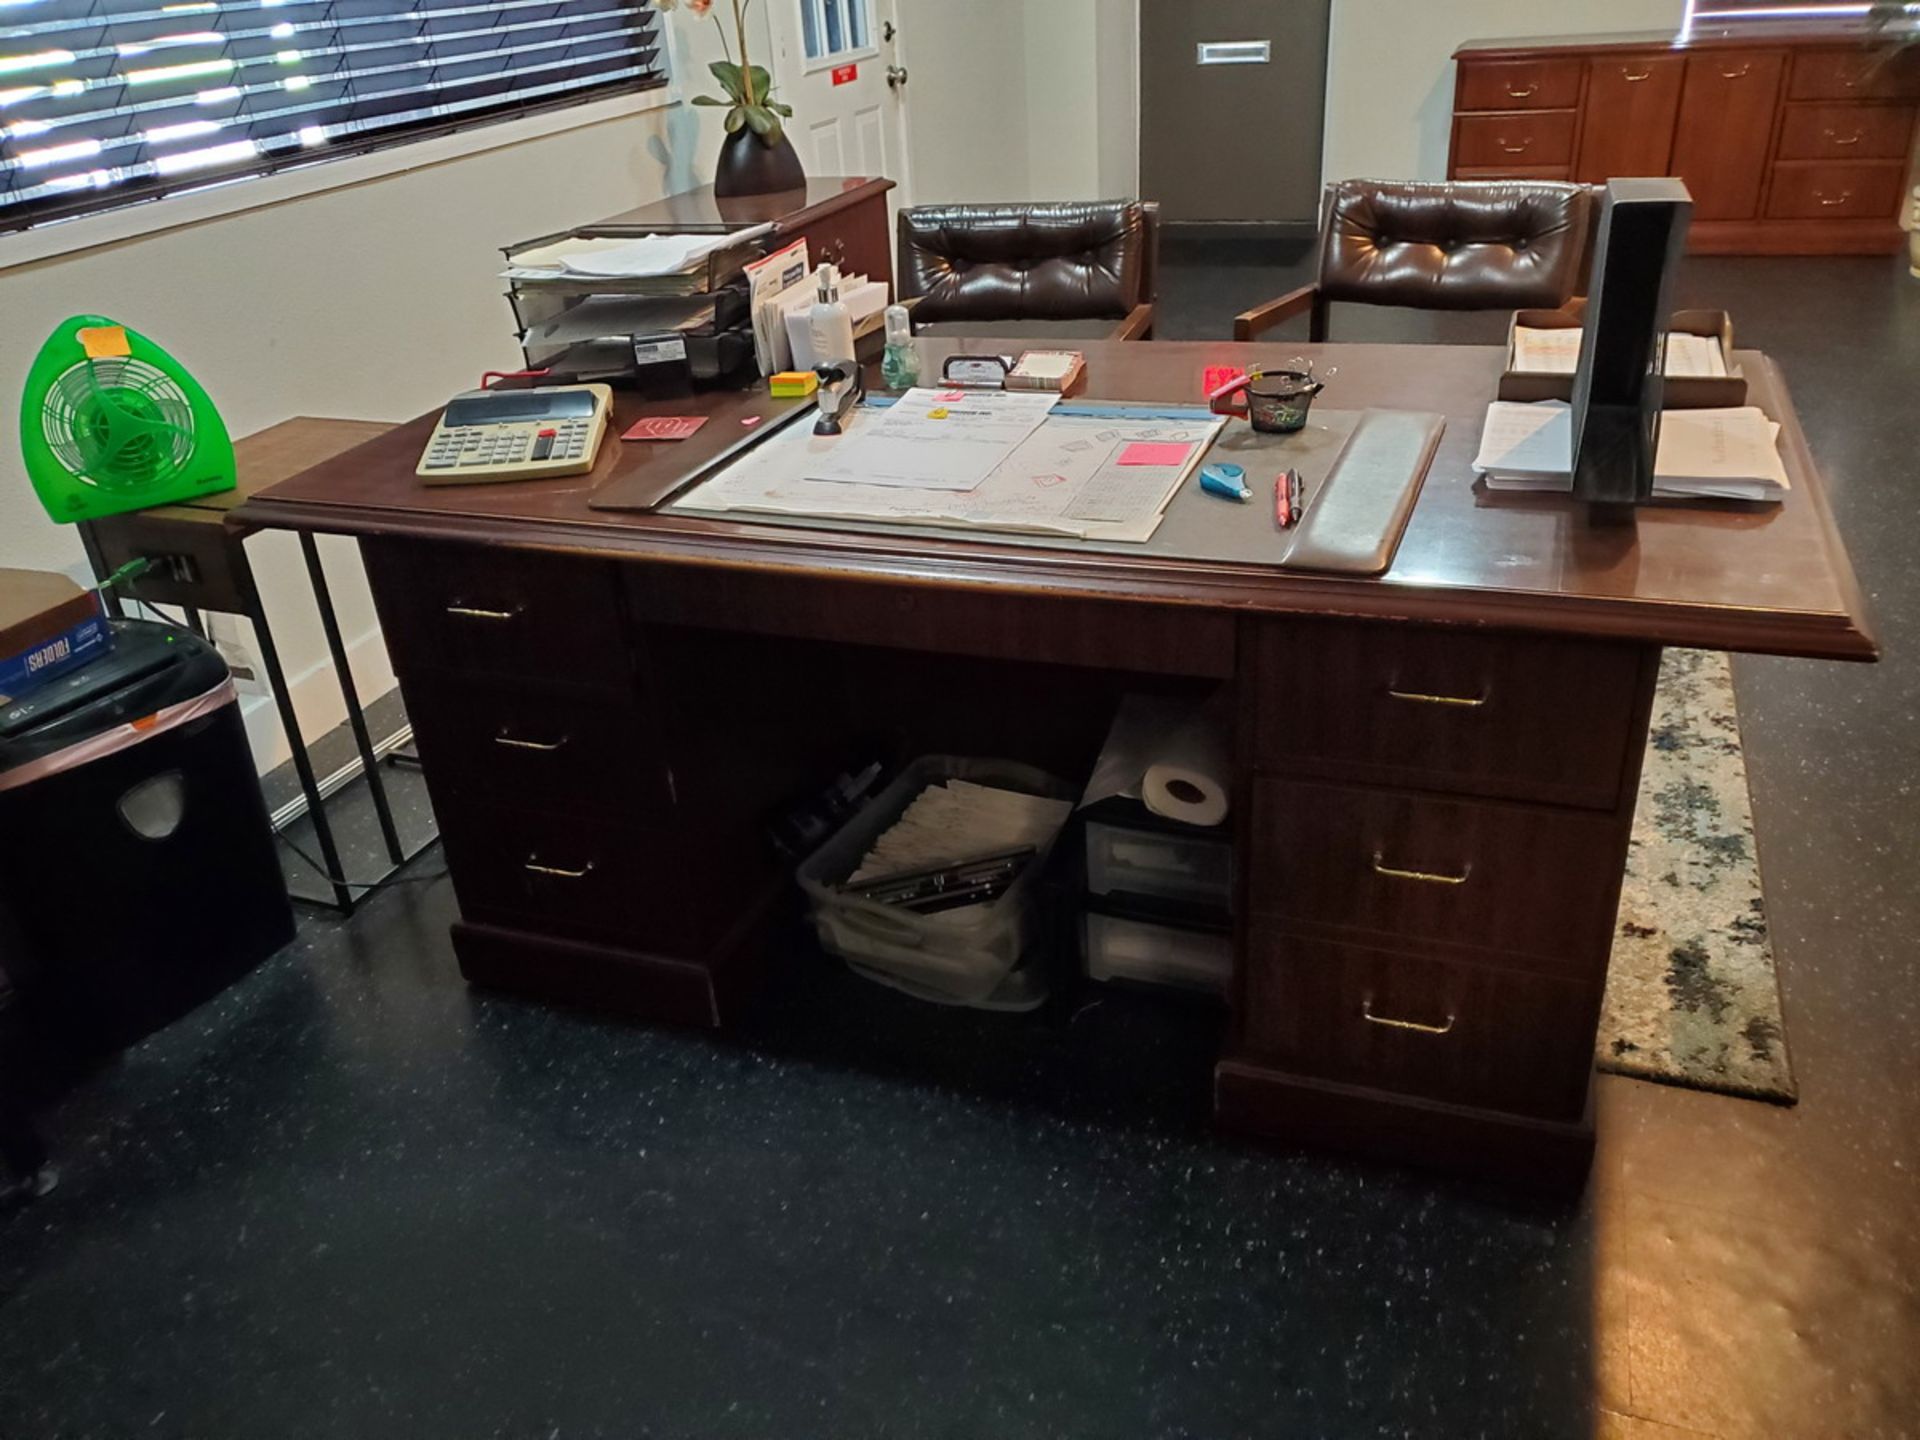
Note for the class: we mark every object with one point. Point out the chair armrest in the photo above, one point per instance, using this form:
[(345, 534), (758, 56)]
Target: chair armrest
[(1137, 326), (1250, 323)]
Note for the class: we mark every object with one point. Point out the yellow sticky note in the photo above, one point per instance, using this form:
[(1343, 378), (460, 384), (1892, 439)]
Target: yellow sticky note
[(937, 414), (105, 342)]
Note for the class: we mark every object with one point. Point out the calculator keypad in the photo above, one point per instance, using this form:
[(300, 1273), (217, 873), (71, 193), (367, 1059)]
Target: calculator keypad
[(498, 445)]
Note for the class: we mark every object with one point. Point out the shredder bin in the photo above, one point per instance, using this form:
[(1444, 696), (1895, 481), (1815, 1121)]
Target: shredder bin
[(137, 867)]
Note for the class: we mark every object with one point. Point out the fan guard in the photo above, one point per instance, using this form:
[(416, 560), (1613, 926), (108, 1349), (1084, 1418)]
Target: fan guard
[(118, 423)]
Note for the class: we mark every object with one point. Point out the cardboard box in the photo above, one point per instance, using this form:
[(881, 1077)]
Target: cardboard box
[(1682, 392), (48, 626)]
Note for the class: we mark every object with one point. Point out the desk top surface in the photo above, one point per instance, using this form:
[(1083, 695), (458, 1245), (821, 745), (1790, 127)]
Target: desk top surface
[(1748, 35), (1724, 575)]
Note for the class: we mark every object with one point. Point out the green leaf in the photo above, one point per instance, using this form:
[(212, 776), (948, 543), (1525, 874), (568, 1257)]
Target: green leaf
[(728, 74), (762, 83), (710, 100), (762, 120), (736, 119), (781, 109)]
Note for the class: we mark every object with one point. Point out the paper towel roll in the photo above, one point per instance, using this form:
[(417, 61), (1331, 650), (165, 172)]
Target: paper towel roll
[(1185, 792)]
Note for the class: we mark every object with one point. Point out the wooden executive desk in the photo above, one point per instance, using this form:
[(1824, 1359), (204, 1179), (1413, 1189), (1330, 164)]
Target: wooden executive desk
[(1434, 778)]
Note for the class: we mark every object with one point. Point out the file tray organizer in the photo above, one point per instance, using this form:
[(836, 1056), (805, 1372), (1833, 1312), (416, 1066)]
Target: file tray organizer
[(1677, 392), (970, 955), (587, 328)]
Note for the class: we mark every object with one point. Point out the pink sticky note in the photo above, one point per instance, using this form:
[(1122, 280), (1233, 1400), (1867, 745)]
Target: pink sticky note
[(1144, 452), (664, 427)]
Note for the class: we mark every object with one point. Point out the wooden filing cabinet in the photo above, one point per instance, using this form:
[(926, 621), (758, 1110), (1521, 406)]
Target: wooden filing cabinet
[(1434, 825), (1790, 144)]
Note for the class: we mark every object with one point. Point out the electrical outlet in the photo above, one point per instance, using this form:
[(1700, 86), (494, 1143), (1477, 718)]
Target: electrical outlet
[(231, 641)]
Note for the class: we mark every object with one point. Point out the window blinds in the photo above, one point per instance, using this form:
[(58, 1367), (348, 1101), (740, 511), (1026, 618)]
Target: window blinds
[(103, 101)]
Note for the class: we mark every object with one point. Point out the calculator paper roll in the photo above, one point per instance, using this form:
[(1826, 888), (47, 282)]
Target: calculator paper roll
[(1188, 777)]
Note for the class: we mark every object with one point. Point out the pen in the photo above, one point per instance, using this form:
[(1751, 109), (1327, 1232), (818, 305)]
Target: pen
[(1286, 498)]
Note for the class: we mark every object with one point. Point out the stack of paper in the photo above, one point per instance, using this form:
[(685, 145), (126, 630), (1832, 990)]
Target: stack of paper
[(665, 263), (959, 820), (1539, 351), (1728, 454)]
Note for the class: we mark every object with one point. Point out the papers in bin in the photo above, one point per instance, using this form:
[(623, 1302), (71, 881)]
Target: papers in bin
[(647, 257), (1718, 454)]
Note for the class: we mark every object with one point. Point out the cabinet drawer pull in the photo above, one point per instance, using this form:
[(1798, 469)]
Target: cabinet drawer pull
[(1842, 198), (534, 867), (1366, 1014), (545, 747), (1629, 76), (1739, 74), (1425, 877), (1523, 93), (476, 612), (1853, 139), (1519, 149), (1469, 702)]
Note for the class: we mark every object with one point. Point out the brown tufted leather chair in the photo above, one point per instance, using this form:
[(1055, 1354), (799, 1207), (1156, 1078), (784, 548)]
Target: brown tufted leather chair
[(1055, 262), (1442, 245)]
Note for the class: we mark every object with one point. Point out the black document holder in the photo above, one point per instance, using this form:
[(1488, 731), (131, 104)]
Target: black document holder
[(1617, 388)]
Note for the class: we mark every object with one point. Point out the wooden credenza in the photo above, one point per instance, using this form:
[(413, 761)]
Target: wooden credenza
[(1791, 144)]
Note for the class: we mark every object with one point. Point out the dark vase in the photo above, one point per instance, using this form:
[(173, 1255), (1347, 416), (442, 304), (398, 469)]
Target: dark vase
[(750, 166)]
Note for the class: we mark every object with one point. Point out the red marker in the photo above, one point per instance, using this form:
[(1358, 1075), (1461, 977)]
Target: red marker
[(1286, 498)]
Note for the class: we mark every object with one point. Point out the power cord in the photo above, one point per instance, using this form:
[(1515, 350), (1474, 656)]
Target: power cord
[(367, 885)]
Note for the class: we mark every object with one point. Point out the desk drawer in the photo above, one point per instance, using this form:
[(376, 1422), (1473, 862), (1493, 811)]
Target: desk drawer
[(515, 614), (525, 745), (1486, 877), (1846, 132), (1443, 709), (1551, 83), (1857, 72), (1401, 1021), (576, 875), (1543, 137), (1868, 190)]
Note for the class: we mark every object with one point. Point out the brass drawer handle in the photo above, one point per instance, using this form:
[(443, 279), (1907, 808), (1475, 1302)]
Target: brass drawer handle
[(1523, 94), (1853, 139), (1519, 149), (475, 612), (1366, 1014), (534, 867), (1425, 877), (1469, 702), (1739, 74), (545, 747), (1842, 198), (1628, 75)]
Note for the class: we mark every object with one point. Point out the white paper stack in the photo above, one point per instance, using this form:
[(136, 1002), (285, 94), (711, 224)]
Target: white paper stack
[(668, 261), (1541, 351), (1730, 454), (959, 820)]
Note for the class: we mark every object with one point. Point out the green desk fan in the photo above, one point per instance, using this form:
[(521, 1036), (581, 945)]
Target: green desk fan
[(111, 422)]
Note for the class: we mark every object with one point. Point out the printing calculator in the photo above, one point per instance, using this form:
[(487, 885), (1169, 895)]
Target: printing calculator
[(497, 435)]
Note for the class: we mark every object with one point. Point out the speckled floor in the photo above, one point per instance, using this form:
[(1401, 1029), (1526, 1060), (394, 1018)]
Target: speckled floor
[(352, 1199)]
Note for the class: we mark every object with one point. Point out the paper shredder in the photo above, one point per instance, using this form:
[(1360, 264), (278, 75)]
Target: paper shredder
[(137, 868)]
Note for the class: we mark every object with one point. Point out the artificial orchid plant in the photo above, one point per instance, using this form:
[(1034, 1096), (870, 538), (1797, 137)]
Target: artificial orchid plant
[(749, 88)]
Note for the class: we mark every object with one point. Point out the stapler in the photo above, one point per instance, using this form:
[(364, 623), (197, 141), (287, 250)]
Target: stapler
[(840, 390)]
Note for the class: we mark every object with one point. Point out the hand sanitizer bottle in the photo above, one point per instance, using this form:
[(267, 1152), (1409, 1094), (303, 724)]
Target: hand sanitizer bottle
[(900, 366), (829, 324)]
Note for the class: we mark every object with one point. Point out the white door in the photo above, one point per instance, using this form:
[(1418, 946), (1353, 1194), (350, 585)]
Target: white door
[(840, 64)]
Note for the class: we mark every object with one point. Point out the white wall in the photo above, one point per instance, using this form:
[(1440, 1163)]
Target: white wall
[(1021, 99), (1390, 71), (374, 301)]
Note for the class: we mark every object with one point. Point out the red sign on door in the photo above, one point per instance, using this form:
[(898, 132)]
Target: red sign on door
[(845, 74)]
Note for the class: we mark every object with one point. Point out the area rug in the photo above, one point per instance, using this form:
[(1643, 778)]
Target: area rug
[(1692, 994)]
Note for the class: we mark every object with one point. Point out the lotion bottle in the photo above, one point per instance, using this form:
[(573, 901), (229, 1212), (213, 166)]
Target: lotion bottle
[(829, 323)]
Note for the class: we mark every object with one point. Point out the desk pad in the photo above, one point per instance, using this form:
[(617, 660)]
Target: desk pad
[(1362, 471)]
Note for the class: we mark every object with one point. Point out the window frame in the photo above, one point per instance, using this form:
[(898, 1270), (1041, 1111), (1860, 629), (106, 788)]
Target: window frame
[(526, 118)]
